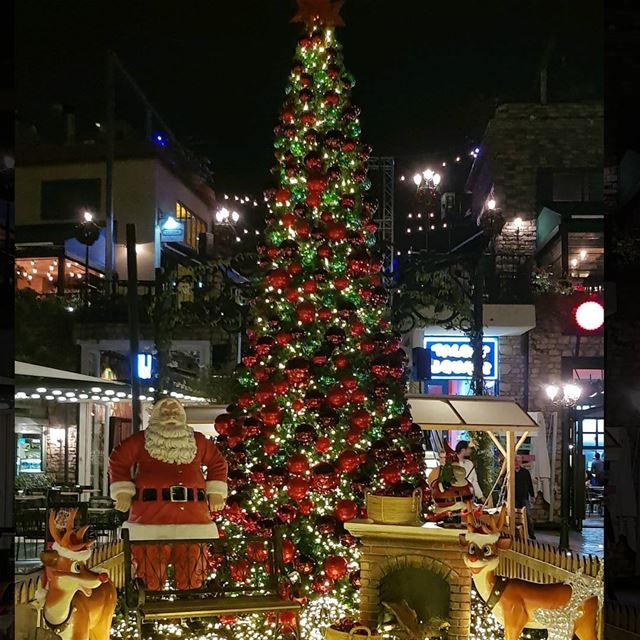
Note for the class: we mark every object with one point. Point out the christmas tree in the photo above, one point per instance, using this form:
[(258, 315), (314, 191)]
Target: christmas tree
[(323, 416)]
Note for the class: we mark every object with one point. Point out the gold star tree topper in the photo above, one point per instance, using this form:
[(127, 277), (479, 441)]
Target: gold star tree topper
[(324, 12)]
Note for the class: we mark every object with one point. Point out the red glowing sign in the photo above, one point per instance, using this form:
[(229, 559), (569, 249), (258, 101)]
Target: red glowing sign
[(589, 315)]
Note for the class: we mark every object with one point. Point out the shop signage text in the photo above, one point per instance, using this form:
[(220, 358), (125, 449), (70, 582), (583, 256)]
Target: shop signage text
[(452, 358)]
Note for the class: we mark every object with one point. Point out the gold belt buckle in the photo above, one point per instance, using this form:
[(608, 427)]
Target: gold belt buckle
[(178, 493)]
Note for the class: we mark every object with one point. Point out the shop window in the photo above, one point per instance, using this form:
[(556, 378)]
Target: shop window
[(193, 225), (69, 199)]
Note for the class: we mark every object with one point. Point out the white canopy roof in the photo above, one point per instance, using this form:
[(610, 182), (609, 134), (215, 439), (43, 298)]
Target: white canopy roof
[(38, 371), (470, 413)]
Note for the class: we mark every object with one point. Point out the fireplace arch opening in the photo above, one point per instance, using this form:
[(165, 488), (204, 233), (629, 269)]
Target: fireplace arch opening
[(427, 593)]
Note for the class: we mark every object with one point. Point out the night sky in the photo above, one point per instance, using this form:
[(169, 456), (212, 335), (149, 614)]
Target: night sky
[(429, 74)]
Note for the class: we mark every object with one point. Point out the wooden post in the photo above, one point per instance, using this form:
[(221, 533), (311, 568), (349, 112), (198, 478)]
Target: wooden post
[(511, 483)]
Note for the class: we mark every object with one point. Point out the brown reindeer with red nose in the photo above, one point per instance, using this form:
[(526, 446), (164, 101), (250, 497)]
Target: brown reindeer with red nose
[(79, 603), (519, 604)]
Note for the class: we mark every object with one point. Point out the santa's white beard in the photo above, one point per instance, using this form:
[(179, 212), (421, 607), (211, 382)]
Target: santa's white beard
[(175, 444)]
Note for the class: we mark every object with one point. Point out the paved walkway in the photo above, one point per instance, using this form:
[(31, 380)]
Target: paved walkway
[(590, 541)]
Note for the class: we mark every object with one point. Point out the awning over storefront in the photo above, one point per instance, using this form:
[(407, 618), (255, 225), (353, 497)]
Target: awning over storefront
[(470, 413), (38, 371)]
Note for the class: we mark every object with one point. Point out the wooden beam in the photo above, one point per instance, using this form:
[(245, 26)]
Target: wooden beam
[(511, 484), (497, 443), (520, 442)]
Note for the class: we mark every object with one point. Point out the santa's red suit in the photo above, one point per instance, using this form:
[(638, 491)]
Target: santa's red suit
[(169, 502)]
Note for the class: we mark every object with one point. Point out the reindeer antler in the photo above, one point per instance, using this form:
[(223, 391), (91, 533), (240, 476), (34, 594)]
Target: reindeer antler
[(72, 540)]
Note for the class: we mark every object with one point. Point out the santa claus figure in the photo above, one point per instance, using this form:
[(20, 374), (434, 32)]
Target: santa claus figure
[(157, 475)]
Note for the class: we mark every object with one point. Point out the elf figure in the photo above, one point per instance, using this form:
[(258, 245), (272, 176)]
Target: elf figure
[(157, 475)]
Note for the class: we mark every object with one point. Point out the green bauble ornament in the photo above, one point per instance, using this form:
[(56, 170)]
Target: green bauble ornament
[(276, 236), (354, 129), (245, 377), (339, 265), (330, 198), (298, 193), (307, 256), (366, 184), (348, 79), (297, 148), (322, 78)]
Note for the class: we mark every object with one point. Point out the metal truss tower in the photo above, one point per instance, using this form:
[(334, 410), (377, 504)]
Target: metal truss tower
[(381, 174)]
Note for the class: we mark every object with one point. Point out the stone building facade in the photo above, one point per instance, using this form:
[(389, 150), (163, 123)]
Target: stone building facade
[(525, 148)]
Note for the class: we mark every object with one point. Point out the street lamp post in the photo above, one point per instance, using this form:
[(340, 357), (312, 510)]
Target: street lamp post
[(87, 233), (565, 399)]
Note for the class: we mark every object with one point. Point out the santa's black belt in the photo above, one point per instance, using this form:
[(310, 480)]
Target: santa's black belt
[(172, 494)]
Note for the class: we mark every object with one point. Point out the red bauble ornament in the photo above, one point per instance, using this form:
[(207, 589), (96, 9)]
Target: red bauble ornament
[(306, 312), (391, 474), (360, 419), (356, 328), (306, 507), (305, 564), (308, 119), (281, 195), (297, 488), (346, 510), (256, 551), (313, 199), (349, 382), (294, 268), (347, 540), (324, 251), (337, 396), (287, 115), (335, 567), (288, 220), (326, 525), (297, 405), (288, 551), (305, 434), (336, 231), (324, 477), (331, 98), (252, 427), (298, 463), (366, 345), (244, 400), (340, 361), (282, 339), (264, 392), (303, 229), (292, 295), (358, 396), (352, 437), (348, 460), (324, 314), (270, 415), (316, 183), (341, 283), (239, 570), (297, 370), (322, 585), (323, 444), (310, 286), (286, 513), (270, 447), (227, 620), (223, 423)]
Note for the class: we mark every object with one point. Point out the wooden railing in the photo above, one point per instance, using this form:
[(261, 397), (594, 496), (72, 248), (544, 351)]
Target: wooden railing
[(108, 557), (622, 622), (543, 563)]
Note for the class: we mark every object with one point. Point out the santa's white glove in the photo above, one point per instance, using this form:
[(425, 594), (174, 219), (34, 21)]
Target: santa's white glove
[(216, 502), (123, 502)]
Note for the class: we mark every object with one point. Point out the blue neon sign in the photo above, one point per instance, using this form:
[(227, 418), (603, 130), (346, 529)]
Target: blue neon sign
[(145, 366), (452, 358)]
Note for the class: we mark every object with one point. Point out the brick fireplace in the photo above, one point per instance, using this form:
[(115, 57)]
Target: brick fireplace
[(433, 551)]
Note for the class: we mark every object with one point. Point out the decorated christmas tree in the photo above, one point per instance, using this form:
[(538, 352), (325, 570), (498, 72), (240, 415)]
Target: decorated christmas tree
[(323, 416)]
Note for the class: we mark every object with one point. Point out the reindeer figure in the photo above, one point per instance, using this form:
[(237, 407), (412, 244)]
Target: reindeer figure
[(564, 610), (79, 603)]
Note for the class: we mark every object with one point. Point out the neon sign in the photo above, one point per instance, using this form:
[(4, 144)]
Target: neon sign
[(453, 357)]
